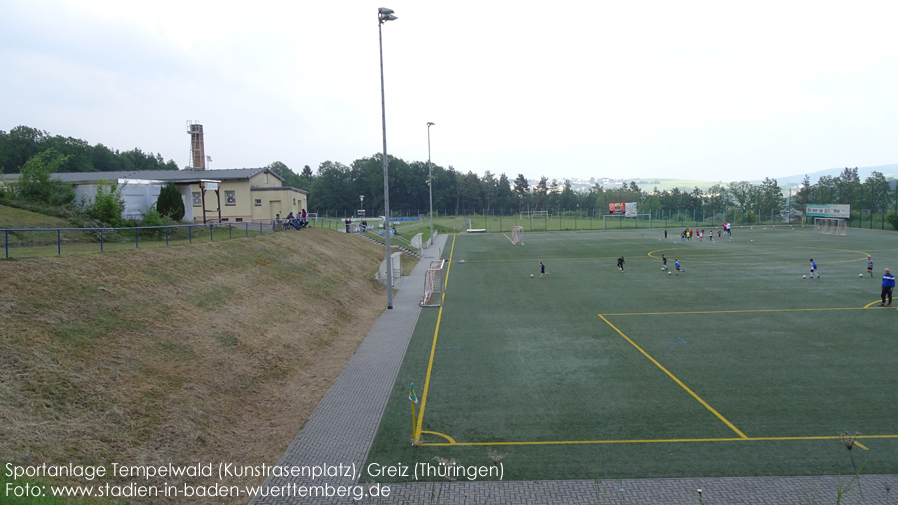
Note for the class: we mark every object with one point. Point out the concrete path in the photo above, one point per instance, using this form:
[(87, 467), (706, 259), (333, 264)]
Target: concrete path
[(331, 447)]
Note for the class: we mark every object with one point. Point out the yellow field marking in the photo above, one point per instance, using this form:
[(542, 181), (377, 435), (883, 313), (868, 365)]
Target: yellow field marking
[(877, 302), (742, 435), (506, 236), (862, 446), (452, 440), (665, 441), (731, 311), (417, 432)]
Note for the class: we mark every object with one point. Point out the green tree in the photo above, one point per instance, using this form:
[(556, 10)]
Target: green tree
[(170, 203), (522, 190), (770, 198), (333, 187), (741, 192), (20, 144), (802, 196), (35, 183), (291, 178), (504, 193), (718, 199)]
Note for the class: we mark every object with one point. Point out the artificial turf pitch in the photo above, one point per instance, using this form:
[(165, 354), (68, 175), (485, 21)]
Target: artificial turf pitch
[(735, 367)]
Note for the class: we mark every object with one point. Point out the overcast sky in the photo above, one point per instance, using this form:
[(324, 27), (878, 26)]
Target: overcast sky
[(701, 90)]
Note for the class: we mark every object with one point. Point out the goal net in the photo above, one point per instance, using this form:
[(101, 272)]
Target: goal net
[(433, 285), (831, 226), (517, 235), (538, 214)]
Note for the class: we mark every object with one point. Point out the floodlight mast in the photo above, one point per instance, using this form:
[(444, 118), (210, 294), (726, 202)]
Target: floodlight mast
[(383, 15), (430, 180)]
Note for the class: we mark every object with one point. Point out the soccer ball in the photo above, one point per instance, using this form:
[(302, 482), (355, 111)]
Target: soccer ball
[(531, 276), (668, 273), (803, 276), (860, 275)]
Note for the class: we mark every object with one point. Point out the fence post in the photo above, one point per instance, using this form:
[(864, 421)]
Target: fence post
[(59, 242), (189, 234), (137, 238), (7, 242), (247, 228), (166, 235), (211, 238), (101, 239)]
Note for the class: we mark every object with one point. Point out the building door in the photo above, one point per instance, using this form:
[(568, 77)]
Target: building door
[(275, 208)]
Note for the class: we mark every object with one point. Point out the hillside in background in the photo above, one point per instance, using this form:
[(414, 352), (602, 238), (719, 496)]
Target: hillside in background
[(889, 171)]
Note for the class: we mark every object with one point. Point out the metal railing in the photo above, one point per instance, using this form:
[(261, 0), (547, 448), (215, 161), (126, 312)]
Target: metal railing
[(32, 242)]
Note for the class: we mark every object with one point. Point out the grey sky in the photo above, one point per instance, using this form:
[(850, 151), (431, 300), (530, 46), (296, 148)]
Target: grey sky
[(702, 90)]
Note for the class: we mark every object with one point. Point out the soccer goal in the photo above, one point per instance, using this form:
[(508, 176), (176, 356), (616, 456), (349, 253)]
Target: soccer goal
[(433, 285), (537, 214), (517, 235), (831, 226), (631, 220)]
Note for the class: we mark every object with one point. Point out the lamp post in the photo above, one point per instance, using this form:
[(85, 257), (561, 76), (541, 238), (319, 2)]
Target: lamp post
[(430, 180), (362, 204), (383, 15)]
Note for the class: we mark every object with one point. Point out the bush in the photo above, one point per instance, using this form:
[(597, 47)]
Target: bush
[(151, 217), (892, 218), (108, 205), (170, 203)]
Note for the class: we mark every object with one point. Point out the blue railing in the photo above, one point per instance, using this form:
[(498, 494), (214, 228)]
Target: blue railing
[(153, 234)]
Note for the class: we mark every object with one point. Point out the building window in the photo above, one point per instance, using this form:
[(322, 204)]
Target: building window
[(230, 198), (197, 199), (239, 219), (258, 202), (224, 220)]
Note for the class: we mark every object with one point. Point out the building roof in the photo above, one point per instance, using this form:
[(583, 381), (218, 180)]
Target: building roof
[(280, 188), (175, 176)]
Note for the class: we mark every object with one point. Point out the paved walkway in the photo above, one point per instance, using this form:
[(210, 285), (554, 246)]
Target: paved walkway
[(334, 443)]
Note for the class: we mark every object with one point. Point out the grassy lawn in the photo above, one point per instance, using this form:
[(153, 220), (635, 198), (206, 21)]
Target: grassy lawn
[(735, 367)]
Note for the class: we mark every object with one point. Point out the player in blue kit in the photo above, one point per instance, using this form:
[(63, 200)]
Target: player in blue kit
[(888, 285), (814, 269)]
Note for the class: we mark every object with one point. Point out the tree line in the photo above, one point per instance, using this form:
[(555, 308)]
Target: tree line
[(68, 154), (336, 188)]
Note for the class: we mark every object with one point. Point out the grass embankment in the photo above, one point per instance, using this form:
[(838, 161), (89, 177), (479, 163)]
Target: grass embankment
[(203, 353)]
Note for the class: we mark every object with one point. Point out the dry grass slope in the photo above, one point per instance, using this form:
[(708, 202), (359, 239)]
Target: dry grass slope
[(204, 353)]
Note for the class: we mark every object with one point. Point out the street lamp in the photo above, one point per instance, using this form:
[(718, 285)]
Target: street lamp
[(430, 180), (383, 15), (362, 204)]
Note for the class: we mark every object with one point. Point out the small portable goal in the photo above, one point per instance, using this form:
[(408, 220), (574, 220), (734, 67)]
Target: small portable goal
[(831, 226), (517, 235), (433, 285)]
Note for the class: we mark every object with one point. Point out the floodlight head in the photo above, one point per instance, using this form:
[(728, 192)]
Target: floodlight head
[(430, 124), (384, 14)]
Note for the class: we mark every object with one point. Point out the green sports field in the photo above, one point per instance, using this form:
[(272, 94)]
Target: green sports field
[(735, 367)]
